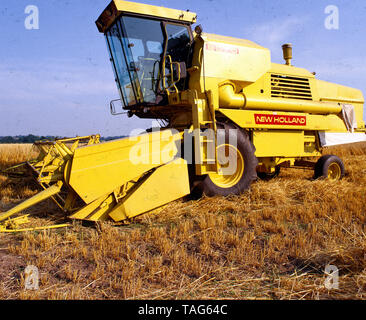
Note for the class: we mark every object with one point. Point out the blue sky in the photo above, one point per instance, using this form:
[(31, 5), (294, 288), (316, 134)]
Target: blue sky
[(58, 80)]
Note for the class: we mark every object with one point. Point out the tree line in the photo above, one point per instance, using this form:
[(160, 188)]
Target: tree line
[(30, 138)]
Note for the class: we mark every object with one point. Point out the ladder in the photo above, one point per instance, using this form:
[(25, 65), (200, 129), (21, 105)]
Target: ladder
[(204, 124)]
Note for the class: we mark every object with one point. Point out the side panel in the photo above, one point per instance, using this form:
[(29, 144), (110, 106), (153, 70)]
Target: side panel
[(234, 59), (333, 92), (278, 143), (99, 169)]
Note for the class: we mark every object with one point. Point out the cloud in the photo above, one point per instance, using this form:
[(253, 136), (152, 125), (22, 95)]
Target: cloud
[(52, 80), (60, 97), (347, 70), (274, 33)]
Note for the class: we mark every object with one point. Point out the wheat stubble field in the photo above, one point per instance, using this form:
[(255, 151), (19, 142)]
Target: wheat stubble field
[(272, 242)]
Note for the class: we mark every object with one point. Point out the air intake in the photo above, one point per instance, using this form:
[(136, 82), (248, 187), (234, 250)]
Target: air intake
[(290, 87)]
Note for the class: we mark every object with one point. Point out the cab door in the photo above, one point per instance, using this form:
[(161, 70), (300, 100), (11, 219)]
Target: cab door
[(177, 55)]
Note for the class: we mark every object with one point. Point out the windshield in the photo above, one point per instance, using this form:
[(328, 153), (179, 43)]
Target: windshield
[(137, 48)]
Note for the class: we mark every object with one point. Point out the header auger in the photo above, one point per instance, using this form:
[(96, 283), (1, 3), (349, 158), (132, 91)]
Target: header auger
[(245, 116)]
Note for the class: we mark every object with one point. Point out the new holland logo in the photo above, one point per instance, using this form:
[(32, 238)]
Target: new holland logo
[(283, 120), (222, 48)]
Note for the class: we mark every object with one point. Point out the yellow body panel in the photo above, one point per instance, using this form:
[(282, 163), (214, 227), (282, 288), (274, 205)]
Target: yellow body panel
[(167, 183), (279, 143), (224, 57), (333, 92), (97, 210), (247, 68), (99, 169), (290, 70)]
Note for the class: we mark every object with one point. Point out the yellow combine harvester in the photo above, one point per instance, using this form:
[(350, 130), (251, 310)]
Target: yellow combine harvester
[(245, 115)]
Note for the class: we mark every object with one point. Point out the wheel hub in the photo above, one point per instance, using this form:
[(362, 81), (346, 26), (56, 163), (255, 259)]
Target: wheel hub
[(231, 166), (334, 171)]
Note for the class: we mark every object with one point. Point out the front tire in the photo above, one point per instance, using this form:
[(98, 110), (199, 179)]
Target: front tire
[(233, 178)]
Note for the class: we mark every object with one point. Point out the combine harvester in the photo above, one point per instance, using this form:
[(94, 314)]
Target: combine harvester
[(245, 115)]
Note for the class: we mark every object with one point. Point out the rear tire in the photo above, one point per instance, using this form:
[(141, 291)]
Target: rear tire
[(245, 172), (329, 167)]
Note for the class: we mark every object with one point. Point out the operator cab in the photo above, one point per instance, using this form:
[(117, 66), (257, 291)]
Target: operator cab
[(149, 54)]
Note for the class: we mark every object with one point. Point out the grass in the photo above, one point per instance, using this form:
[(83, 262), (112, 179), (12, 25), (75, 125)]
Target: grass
[(272, 242)]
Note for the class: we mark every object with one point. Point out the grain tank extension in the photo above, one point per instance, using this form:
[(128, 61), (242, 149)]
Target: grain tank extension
[(246, 117)]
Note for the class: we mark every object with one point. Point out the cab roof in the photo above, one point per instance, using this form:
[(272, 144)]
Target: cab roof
[(117, 7)]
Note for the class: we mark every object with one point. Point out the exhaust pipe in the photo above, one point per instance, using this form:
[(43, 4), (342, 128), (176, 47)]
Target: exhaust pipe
[(287, 53)]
